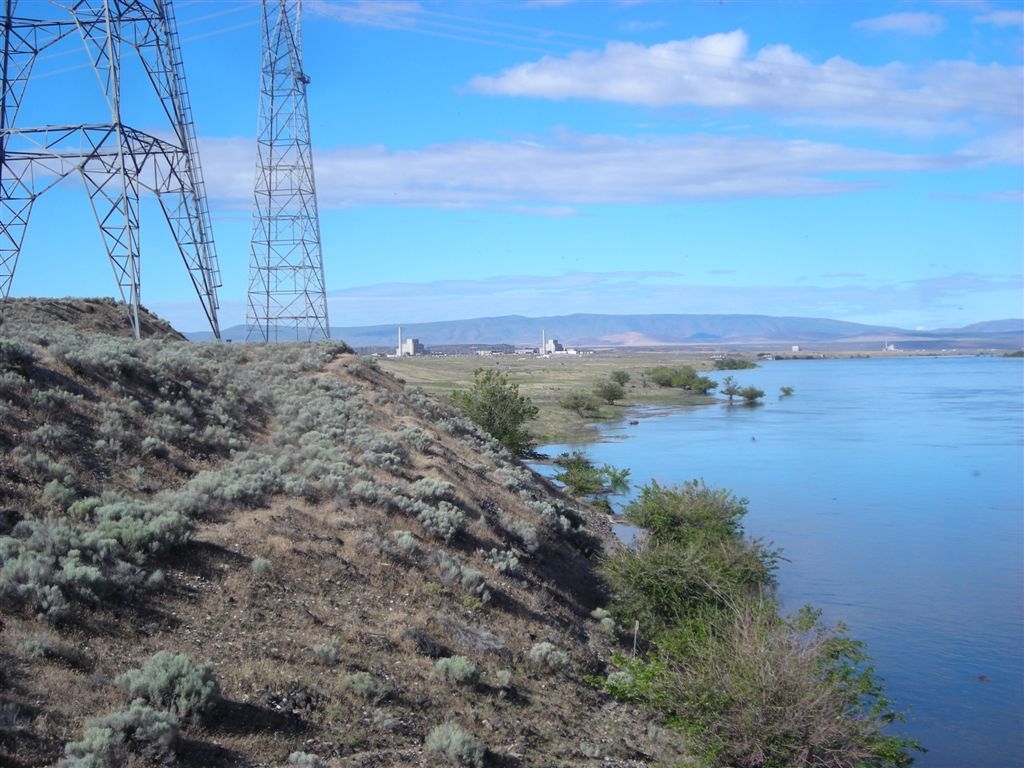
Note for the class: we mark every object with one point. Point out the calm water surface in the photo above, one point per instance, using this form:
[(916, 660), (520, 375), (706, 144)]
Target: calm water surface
[(895, 487)]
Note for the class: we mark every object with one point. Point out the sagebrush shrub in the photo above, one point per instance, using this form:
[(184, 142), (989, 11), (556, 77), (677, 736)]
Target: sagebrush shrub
[(405, 540), (327, 653), (547, 656), (260, 566), (365, 686), (443, 521), (452, 741), (306, 760), (457, 670), (504, 561), (174, 683), (523, 532), (604, 620), (16, 355), (433, 489), (112, 740)]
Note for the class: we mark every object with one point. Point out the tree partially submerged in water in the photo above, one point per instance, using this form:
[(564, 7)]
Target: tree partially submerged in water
[(581, 477), (750, 687)]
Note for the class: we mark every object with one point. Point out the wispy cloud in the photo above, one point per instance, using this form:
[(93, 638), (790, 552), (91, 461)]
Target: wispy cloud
[(840, 296), (1001, 19), (554, 175), (912, 23), (641, 26), (391, 14), (719, 72)]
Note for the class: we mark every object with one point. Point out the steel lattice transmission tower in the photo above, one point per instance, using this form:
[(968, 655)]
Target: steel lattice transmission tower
[(287, 299), (116, 162)]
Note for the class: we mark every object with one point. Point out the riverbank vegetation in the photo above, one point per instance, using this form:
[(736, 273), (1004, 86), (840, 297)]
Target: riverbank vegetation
[(563, 387), (748, 686)]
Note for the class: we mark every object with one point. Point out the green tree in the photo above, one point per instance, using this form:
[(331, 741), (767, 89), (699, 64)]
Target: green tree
[(733, 364), (683, 377), (494, 404), (751, 394), (609, 391), (581, 477), (730, 387), (581, 402), (619, 377)]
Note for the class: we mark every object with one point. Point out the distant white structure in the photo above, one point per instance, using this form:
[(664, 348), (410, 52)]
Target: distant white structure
[(795, 348), (550, 346), (409, 347)]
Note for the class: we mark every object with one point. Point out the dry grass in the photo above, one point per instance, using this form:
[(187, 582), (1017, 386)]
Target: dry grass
[(546, 380), (336, 575)]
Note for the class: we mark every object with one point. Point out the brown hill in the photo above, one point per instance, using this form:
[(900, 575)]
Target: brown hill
[(101, 315), (374, 581)]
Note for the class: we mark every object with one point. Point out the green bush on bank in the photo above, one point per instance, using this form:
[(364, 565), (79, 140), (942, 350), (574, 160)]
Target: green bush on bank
[(748, 686)]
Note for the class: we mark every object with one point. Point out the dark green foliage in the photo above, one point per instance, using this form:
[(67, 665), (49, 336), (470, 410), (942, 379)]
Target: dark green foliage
[(581, 477), (620, 377), (730, 387), (683, 377), (751, 394), (785, 391), (609, 391), (175, 683), (495, 405), (750, 689), (733, 364), (584, 404)]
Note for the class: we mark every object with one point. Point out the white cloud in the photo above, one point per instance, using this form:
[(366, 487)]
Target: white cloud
[(553, 176), (641, 26), (920, 24), (1001, 19), (392, 14), (719, 72)]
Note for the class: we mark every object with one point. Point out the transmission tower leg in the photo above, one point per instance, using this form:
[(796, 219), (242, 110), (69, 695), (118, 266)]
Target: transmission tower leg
[(115, 202)]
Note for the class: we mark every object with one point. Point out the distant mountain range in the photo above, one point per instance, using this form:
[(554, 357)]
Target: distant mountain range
[(589, 330)]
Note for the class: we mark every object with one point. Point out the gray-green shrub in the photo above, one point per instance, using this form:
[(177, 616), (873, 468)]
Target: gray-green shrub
[(110, 741), (457, 670), (453, 742), (327, 653), (443, 521), (405, 540), (365, 686), (175, 683), (306, 760), (504, 561), (547, 656)]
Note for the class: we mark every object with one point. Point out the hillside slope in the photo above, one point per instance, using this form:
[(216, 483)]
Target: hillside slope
[(320, 533)]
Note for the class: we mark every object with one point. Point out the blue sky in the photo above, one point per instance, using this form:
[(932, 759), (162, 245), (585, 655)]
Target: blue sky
[(854, 160)]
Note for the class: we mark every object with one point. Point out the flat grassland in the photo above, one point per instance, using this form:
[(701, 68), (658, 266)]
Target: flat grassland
[(547, 379)]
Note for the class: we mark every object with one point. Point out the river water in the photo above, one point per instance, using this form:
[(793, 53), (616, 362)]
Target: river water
[(895, 487)]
